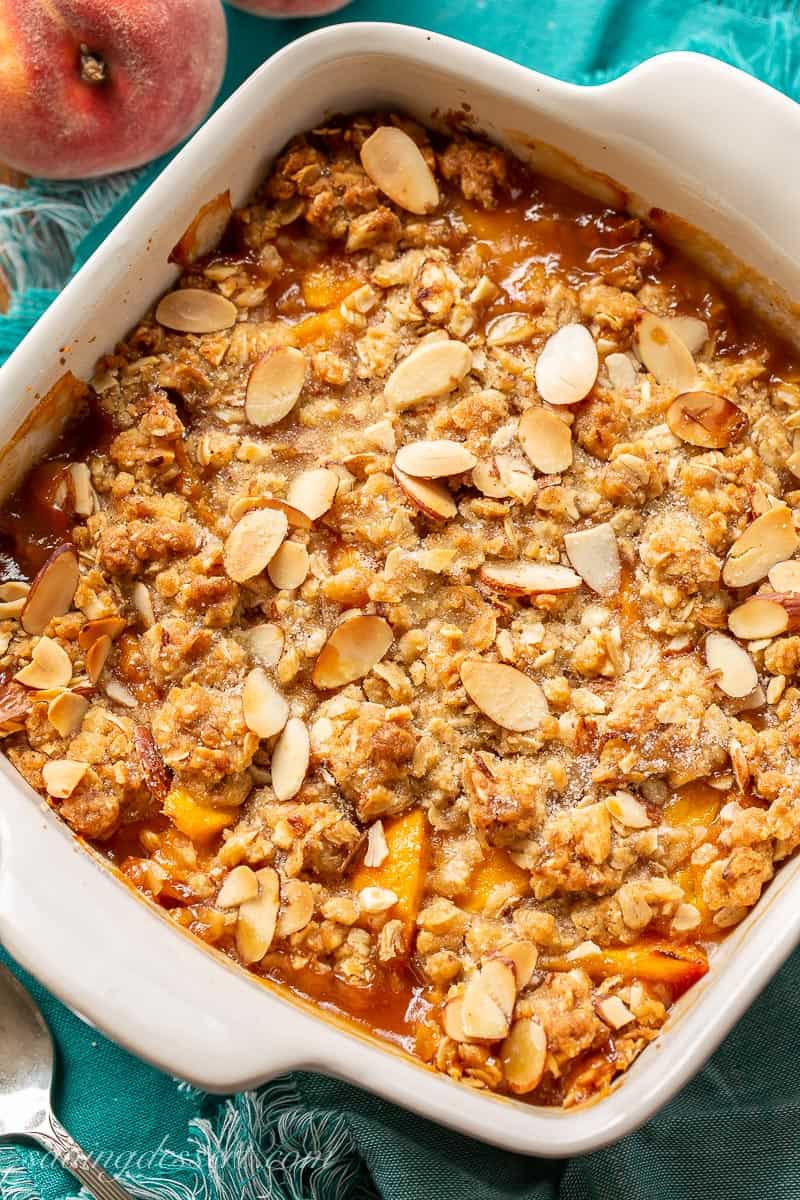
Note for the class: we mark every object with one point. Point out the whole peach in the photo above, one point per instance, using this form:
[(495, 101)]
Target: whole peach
[(92, 86), (289, 8)]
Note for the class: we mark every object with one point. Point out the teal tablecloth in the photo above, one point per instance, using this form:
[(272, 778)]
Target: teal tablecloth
[(734, 1132)]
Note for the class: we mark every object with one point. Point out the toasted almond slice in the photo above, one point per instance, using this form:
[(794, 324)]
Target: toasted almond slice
[(352, 651), (83, 493), (488, 1001), (62, 775), (52, 590), (621, 371), (508, 697), (705, 419), (11, 608), (594, 554), (766, 541), (374, 900), (785, 576), (692, 331), (546, 439), (430, 370), (143, 603), (733, 667), (15, 702), (13, 590), (434, 459), (509, 329), (487, 479), (274, 386), (758, 617), (194, 310), (297, 907), (453, 1021), (614, 1012), (50, 666), (240, 886), (428, 495), (313, 492), (92, 631), (395, 164), (266, 711), (117, 692), (204, 232), (66, 712), (290, 759), (567, 367), (96, 657), (529, 578), (629, 811), (289, 568), (687, 917), (255, 926), (523, 956), (377, 848), (265, 643), (664, 353), (252, 542), (523, 1055), (246, 504)]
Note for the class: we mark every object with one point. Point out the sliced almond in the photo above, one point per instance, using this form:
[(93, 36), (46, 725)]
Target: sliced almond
[(428, 495), (52, 590), (663, 352), (629, 811), (621, 371), (731, 664), (246, 504), (375, 900), (255, 926), (529, 578), (313, 492), (92, 631), (252, 542), (352, 651), (289, 568), (15, 703), (377, 848), (434, 459), (523, 1055), (766, 541), (453, 1021), (758, 618), (204, 233), (523, 956), (274, 386), (265, 643), (705, 419), (194, 310), (240, 886), (96, 657), (290, 759), (547, 440), (50, 666), (297, 907), (785, 576), (692, 331), (266, 711), (430, 370), (594, 554), (488, 1001), (11, 608), (614, 1012), (62, 775), (488, 479), (14, 590), (117, 692), (155, 772), (509, 329), (143, 603), (567, 367), (66, 712), (83, 494), (395, 164), (508, 697)]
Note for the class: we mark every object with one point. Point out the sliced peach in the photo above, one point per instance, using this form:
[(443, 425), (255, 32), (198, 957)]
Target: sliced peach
[(403, 870), (200, 822), (325, 285), (322, 326), (656, 962), (693, 804), (496, 870)]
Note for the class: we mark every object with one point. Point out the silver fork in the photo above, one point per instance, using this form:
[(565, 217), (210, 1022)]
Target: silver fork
[(26, 1079)]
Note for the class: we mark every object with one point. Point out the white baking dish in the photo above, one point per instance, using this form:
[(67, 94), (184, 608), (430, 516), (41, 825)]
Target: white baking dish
[(684, 132)]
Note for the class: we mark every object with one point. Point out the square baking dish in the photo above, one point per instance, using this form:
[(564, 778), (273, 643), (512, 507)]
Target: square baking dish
[(642, 145)]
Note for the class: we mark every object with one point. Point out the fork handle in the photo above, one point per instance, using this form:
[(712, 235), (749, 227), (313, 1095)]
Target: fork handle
[(52, 1136)]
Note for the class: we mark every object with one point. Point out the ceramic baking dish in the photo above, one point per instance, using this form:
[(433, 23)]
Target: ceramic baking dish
[(665, 135)]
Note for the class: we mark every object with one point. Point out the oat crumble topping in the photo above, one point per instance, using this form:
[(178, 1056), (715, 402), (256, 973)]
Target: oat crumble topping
[(412, 614)]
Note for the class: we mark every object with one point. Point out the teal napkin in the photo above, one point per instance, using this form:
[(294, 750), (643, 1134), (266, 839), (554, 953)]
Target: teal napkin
[(733, 1133)]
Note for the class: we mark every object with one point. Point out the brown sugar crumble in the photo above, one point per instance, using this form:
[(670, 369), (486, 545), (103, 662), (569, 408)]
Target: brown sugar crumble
[(414, 616)]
